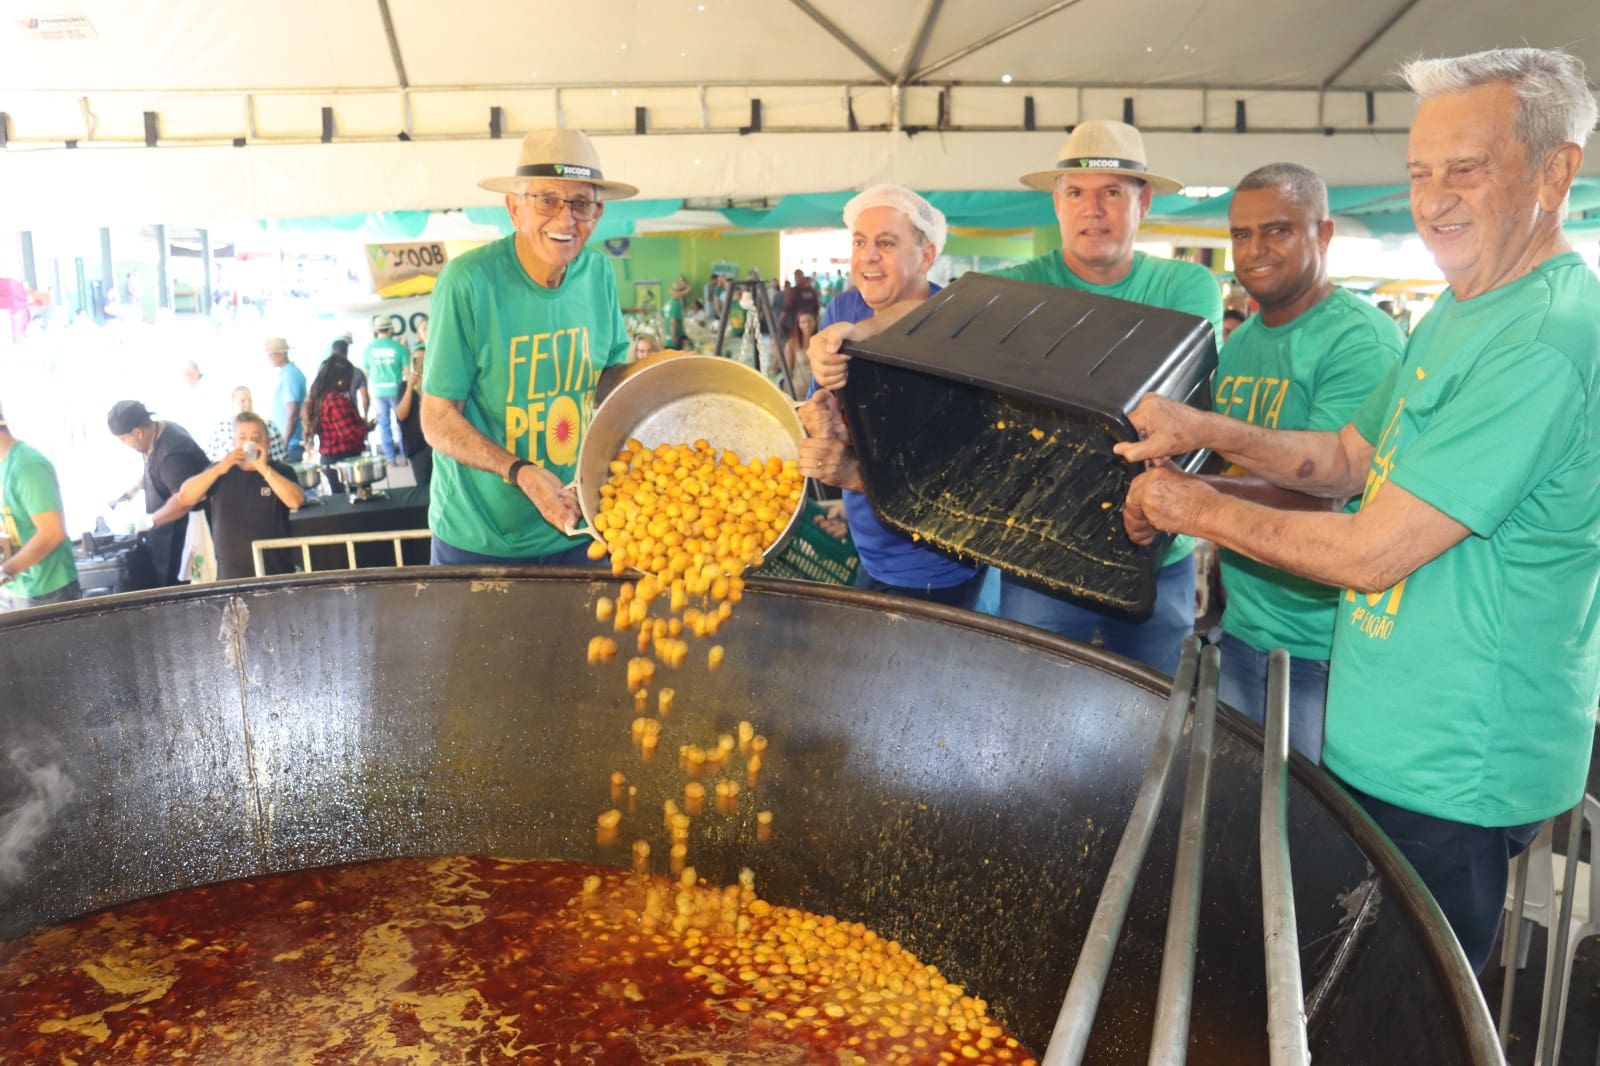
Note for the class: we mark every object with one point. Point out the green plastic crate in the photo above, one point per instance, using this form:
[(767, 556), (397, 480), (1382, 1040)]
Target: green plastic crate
[(812, 555)]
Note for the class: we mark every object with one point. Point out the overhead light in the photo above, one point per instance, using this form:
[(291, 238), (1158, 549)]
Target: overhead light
[(1005, 79)]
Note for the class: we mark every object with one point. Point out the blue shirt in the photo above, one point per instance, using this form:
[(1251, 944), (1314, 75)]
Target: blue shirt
[(291, 389), (892, 558)]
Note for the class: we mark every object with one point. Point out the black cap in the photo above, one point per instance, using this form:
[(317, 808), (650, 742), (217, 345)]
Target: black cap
[(127, 416)]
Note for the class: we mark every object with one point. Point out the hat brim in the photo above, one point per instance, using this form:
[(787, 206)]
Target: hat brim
[(1045, 180), (609, 190)]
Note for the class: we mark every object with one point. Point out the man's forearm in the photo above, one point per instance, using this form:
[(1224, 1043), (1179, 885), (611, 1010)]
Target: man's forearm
[(448, 431), (174, 509), (1299, 460), (33, 552), (192, 491), (293, 421)]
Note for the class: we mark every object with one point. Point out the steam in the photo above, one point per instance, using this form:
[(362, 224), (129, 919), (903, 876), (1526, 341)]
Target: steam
[(45, 790)]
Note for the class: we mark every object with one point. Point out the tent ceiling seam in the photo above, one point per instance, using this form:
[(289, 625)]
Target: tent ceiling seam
[(845, 39), (998, 35)]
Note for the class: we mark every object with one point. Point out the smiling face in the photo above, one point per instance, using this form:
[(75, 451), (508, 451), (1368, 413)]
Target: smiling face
[(547, 245), (1279, 247), (1099, 215), (889, 260), (1474, 195)]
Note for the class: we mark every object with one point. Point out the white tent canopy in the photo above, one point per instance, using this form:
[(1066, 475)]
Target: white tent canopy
[(184, 110)]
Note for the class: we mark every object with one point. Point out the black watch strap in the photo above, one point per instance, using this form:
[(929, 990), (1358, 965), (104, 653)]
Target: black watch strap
[(515, 469)]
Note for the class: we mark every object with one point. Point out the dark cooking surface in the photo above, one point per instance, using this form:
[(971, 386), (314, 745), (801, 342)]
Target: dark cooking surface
[(955, 782)]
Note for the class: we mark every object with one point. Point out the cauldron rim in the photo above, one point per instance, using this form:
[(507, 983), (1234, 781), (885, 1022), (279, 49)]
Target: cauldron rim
[(1442, 949)]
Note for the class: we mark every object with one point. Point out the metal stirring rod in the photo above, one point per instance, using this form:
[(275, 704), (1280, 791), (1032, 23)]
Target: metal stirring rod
[(1071, 1034), (1175, 995), (1286, 1013)]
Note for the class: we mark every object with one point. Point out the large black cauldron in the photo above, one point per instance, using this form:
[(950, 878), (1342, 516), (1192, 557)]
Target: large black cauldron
[(956, 782)]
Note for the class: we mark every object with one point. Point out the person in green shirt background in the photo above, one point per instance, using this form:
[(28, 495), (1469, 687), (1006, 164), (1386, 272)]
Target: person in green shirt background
[(1465, 664), (523, 331), (1307, 361), (672, 313), (36, 564), (385, 361)]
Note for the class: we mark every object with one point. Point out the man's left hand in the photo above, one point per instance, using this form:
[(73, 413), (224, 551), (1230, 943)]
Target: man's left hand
[(1162, 499), (555, 501)]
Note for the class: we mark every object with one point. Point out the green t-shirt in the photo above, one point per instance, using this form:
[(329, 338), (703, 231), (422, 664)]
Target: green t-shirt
[(1167, 283), (385, 361), (1467, 691), (525, 361), (1312, 373), (672, 314), (28, 487)]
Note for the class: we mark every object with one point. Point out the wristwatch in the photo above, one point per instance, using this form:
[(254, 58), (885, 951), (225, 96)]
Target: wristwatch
[(515, 469)]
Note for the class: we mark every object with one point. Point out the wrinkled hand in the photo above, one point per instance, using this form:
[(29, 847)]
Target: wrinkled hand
[(822, 417), (232, 459), (1162, 499), (1166, 428), (830, 366), (555, 501), (832, 462), (258, 461)]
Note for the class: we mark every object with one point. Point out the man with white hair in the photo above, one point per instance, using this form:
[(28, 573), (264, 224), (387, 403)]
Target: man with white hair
[(895, 235), (527, 327), (1466, 656)]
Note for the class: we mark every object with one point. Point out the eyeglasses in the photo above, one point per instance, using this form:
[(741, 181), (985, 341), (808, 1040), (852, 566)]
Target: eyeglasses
[(549, 205)]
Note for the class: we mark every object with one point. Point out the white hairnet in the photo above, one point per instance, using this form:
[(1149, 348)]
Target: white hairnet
[(926, 218)]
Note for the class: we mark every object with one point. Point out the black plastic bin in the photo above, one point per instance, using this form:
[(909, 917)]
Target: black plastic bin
[(984, 422)]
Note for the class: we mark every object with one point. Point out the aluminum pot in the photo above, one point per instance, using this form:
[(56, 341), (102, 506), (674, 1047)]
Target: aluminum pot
[(309, 476), (684, 399), (958, 783), (361, 471)]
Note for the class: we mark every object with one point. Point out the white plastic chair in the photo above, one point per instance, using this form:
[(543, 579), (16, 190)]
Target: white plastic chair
[(1546, 878)]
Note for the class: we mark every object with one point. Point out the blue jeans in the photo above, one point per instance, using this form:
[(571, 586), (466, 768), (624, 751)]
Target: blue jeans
[(1156, 642), (1242, 685), (1464, 866), (964, 595), (67, 593), (382, 412), (445, 554)]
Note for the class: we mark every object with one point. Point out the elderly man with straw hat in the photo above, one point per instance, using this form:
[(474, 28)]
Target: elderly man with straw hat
[(1102, 187), (522, 332), (672, 313)]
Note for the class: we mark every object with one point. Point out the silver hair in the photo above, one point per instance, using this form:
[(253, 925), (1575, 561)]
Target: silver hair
[(1305, 186), (1554, 103)]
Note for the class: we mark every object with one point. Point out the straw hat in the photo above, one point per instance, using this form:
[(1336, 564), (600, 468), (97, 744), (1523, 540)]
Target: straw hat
[(277, 344), (1101, 147), (568, 155), (679, 288)]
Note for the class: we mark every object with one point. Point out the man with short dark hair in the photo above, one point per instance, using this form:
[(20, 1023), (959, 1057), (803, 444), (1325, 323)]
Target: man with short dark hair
[(1466, 655), (36, 564), (171, 457), (1307, 361), (248, 498)]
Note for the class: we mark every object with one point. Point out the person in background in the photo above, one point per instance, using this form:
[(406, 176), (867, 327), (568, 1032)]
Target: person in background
[(644, 346), (895, 235), (171, 457), (36, 564), (386, 360), (287, 397), (1101, 187), (332, 422), (1307, 361), (358, 384), (1232, 319), (794, 353), (408, 412), (248, 498), (673, 314), (221, 442), (1466, 655)]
